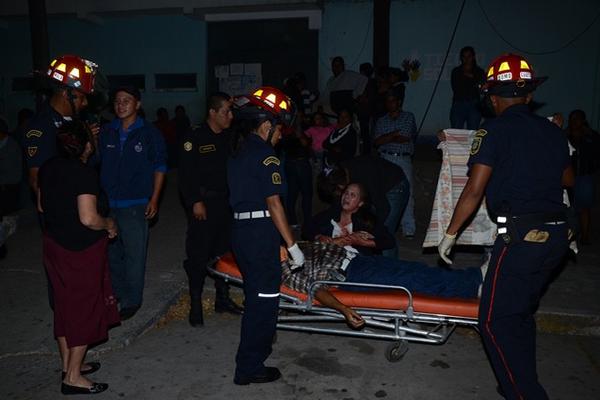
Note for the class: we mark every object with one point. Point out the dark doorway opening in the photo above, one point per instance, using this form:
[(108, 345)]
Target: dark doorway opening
[(281, 46)]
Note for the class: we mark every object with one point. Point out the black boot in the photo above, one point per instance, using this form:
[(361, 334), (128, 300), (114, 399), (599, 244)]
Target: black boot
[(196, 317), (224, 303)]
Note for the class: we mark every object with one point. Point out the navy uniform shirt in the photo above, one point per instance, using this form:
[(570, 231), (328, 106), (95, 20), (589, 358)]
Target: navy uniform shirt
[(528, 155), (203, 164), (253, 175), (40, 136)]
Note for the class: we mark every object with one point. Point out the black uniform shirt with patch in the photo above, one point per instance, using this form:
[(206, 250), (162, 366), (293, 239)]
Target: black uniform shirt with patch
[(528, 155), (40, 136), (253, 175), (203, 164)]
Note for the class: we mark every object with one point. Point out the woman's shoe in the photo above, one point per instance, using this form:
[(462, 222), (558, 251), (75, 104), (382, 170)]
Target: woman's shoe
[(93, 367), (94, 389)]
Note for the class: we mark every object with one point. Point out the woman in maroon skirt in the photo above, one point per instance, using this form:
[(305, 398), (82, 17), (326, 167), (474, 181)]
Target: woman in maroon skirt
[(75, 256)]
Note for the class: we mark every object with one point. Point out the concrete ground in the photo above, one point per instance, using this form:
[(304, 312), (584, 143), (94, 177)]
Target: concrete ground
[(156, 355)]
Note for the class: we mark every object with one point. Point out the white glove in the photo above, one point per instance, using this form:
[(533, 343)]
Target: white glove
[(297, 256), (445, 247)]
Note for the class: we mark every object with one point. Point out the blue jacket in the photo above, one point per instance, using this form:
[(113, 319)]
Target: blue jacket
[(127, 166)]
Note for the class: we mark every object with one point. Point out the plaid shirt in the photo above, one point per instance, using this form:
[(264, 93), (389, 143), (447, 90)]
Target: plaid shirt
[(405, 123), (323, 262)]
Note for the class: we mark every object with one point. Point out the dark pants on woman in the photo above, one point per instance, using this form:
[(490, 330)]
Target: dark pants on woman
[(465, 112), (255, 245), (298, 175)]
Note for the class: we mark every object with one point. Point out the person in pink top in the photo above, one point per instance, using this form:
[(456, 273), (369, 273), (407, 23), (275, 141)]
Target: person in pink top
[(317, 133)]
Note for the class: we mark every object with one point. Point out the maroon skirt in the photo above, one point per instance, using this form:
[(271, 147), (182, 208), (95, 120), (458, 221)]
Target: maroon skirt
[(84, 304)]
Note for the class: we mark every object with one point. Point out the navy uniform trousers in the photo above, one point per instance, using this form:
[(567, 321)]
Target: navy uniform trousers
[(255, 244), (517, 277)]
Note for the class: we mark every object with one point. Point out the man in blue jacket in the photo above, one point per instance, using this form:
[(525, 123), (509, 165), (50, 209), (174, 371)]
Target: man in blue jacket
[(132, 172)]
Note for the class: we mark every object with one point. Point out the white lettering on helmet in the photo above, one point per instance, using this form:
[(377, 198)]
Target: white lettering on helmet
[(525, 75), (58, 76), (505, 76)]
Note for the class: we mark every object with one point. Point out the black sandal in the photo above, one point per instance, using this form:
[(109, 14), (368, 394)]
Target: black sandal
[(94, 389)]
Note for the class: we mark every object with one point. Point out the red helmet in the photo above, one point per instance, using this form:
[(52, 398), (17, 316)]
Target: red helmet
[(266, 103), (74, 72), (510, 75)]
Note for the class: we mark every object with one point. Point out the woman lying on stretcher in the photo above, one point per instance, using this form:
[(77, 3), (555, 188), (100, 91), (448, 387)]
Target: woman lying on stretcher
[(341, 251)]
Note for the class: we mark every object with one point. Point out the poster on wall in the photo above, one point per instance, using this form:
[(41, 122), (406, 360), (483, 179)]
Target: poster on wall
[(238, 78)]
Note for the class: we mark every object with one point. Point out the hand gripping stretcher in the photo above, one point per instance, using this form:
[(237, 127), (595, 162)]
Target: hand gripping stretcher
[(391, 313)]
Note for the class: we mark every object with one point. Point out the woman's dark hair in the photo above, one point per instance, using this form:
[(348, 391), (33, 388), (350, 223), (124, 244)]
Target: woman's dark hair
[(241, 129), (364, 214), (469, 49), (71, 139), (346, 110), (328, 184), (578, 113), (318, 113)]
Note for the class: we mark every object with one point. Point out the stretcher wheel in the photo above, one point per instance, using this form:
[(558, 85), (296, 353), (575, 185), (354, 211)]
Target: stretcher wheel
[(396, 351)]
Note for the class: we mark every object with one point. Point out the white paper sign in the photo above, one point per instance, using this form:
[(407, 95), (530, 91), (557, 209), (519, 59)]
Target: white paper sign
[(236, 69)]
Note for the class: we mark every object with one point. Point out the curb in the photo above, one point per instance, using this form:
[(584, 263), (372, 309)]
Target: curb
[(142, 328)]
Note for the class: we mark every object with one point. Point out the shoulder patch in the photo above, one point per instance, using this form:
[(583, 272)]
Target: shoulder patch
[(31, 151), (481, 133), (476, 145), (276, 178), (34, 133), (207, 148), (187, 146), (271, 160)]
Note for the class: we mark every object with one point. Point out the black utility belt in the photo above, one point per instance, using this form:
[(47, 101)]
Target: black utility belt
[(391, 153), (510, 226), (533, 219)]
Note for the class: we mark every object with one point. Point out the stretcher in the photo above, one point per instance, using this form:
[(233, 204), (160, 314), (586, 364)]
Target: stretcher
[(391, 313)]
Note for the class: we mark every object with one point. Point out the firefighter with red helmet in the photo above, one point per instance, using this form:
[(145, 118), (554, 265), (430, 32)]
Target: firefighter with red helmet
[(255, 185), (71, 79), (520, 161)]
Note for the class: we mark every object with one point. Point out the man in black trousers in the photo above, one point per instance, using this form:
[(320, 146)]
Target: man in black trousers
[(203, 185)]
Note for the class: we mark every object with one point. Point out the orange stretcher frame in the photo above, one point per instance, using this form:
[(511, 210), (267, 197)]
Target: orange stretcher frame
[(390, 312)]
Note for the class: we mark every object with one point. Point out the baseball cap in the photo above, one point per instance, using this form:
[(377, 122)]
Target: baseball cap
[(130, 89)]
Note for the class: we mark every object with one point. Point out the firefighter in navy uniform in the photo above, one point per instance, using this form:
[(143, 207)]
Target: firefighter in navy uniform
[(520, 161), (255, 185), (72, 80), (203, 185)]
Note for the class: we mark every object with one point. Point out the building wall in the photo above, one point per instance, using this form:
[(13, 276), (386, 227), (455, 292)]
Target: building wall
[(419, 29), (422, 30), (121, 45)]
